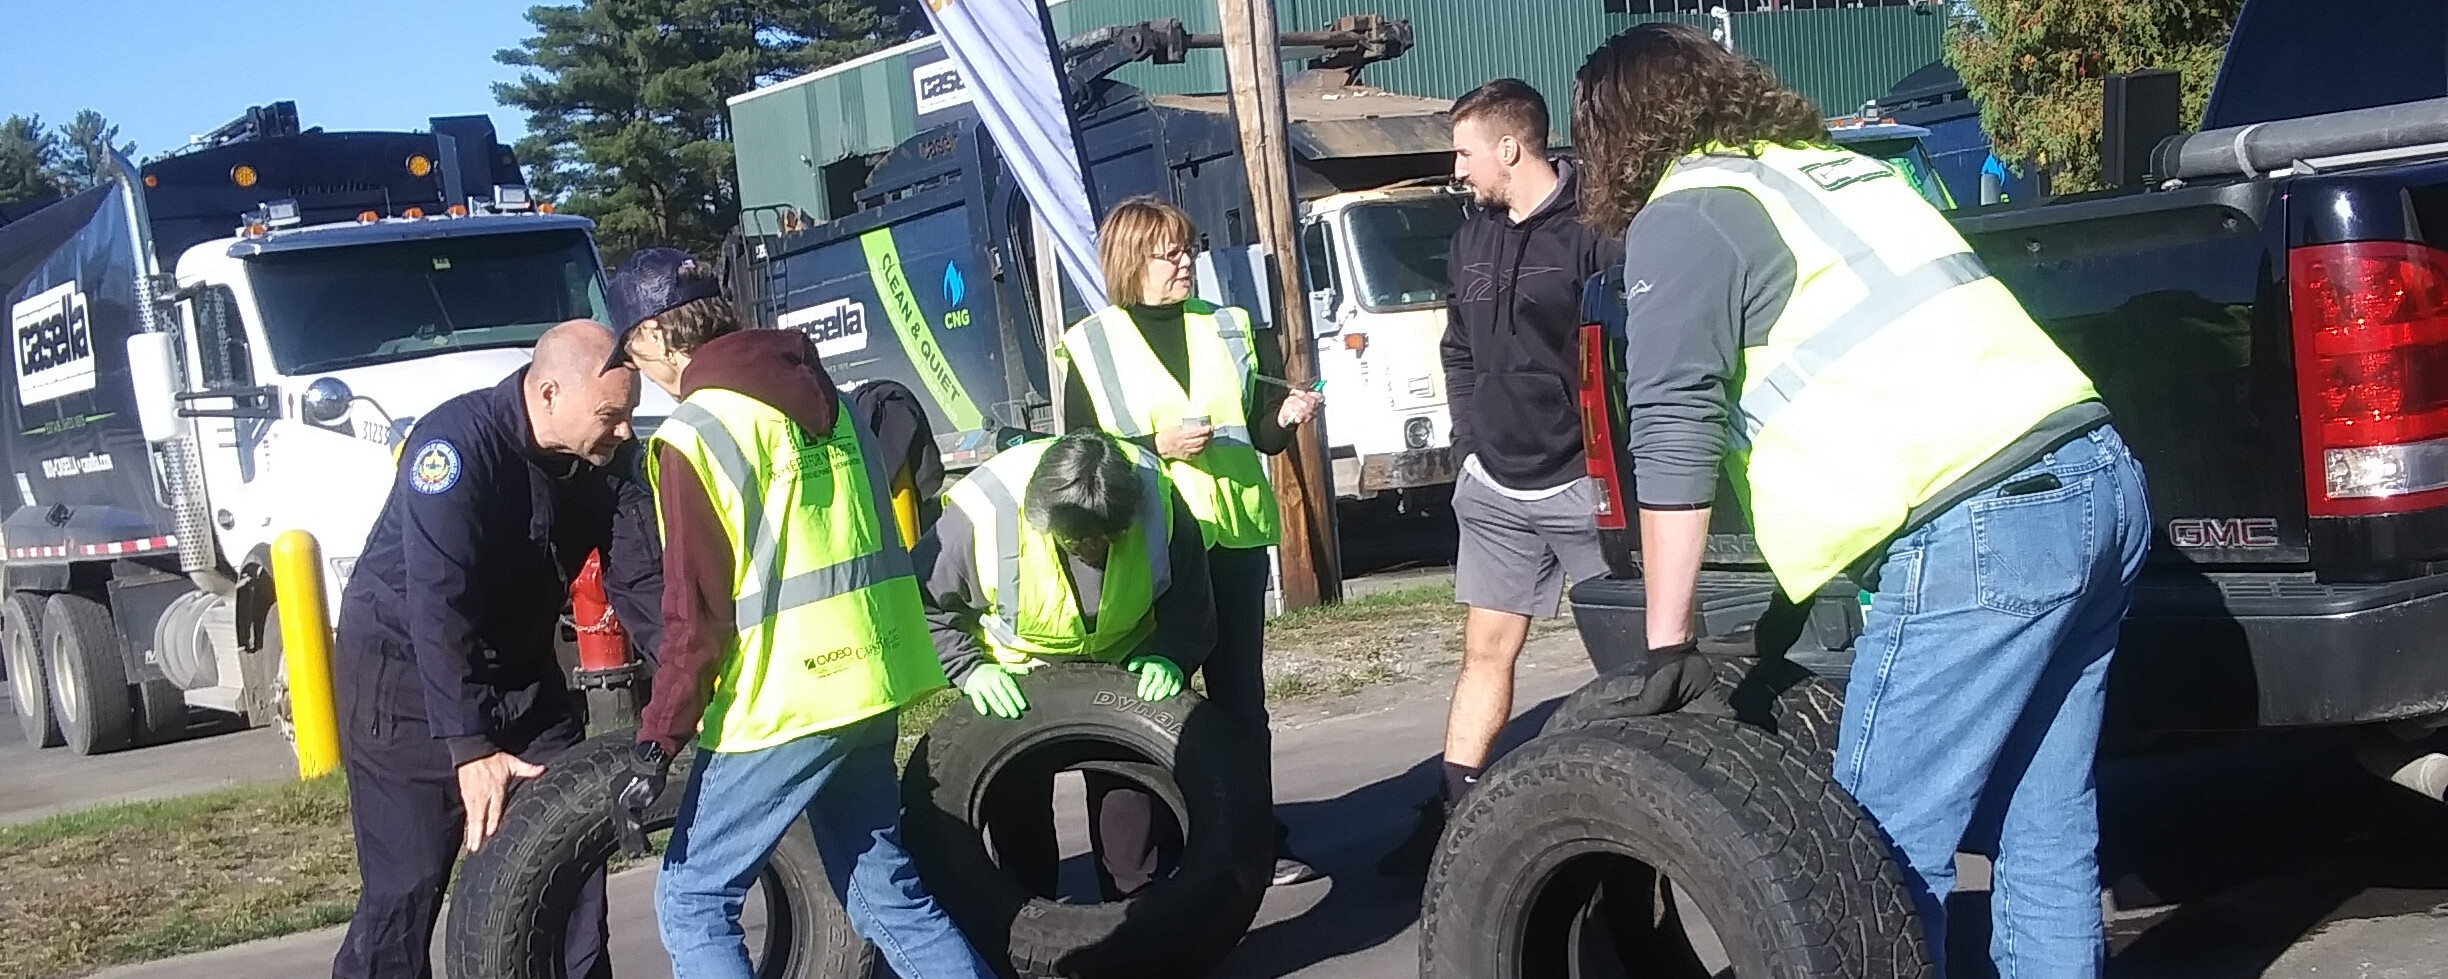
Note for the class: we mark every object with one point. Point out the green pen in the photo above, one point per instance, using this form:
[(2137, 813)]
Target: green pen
[(1316, 385)]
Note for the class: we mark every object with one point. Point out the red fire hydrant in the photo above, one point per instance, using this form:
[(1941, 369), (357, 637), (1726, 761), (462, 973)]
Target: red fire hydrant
[(606, 671)]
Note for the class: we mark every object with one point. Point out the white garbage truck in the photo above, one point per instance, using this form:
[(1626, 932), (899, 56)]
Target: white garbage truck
[(223, 346)]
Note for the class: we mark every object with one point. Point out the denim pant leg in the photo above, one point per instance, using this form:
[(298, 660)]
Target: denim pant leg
[(856, 816), (1975, 613), (2044, 891), (736, 807)]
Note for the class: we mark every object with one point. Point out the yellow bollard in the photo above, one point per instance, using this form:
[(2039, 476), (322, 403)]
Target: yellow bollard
[(905, 506), (297, 590)]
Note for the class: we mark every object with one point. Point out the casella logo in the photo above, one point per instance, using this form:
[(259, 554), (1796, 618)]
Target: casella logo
[(55, 353), (939, 86), (956, 291), (838, 327)]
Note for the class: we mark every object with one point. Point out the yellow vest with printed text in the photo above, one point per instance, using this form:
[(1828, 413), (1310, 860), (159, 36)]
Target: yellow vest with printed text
[(1032, 610), (1226, 485), (1898, 366), (831, 628)]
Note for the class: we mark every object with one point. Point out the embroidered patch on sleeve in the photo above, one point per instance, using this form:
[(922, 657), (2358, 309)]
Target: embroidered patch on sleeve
[(435, 468)]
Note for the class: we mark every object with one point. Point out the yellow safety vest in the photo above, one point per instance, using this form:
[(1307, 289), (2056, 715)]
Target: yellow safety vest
[(1032, 612), (1226, 486), (832, 629), (1898, 367)]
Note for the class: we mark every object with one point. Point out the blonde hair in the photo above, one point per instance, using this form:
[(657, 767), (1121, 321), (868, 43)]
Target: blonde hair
[(1138, 228)]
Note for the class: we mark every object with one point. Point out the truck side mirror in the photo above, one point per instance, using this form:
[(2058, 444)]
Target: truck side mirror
[(153, 367), (1322, 303)]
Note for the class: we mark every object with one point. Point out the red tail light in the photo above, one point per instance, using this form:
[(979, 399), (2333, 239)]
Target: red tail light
[(2371, 364), (1598, 429)]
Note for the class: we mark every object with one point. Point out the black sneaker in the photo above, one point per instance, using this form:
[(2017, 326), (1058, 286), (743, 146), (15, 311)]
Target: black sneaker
[(1411, 857), (1289, 867)]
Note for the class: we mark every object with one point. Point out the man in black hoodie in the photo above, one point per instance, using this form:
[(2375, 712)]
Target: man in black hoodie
[(1522, 497)]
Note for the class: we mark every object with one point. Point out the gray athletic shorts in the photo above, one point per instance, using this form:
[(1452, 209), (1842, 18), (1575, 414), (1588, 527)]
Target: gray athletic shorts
[(1516, 554)]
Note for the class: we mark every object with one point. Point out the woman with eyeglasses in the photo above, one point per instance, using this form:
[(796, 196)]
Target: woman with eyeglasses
[(1180, 376)]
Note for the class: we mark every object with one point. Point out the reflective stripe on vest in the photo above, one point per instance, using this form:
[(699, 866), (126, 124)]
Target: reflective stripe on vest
[(990, 496), (1889, 294), (1897, 367), (1135, 397), (776, 594), (830, 627)]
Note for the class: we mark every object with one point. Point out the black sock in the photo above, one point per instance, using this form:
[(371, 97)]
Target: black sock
[(1458, 780)]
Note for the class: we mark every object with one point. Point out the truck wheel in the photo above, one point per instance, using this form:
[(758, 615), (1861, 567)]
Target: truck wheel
[(1087, 716), (1778, 696), (510, 908), (89, 681), (29, 681), (1558, 864)]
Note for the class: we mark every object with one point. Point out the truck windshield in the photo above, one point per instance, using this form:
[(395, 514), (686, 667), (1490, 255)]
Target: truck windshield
[(1398, 250), (333, 308)]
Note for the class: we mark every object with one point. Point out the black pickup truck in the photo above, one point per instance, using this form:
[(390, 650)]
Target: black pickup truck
[(2267, 316)]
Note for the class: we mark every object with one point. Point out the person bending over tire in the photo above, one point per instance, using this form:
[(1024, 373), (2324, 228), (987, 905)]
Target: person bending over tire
[(1182, 378), (1073, 548), (448, 691), (1888, 410), (793, 632)]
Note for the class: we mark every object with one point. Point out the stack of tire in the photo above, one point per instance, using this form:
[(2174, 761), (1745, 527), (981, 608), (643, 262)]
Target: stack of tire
[(1586, 852), (510, 907)]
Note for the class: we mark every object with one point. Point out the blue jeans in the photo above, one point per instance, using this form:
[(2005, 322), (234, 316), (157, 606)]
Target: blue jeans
[(1978, 691), (738, 806)]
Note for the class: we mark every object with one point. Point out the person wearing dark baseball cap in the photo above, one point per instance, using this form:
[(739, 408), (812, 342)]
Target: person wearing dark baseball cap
[(791, 693), (653, 281)]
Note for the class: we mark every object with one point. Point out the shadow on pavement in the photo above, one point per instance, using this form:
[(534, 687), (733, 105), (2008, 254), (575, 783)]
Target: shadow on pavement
[(1344, 837), (2231, 856), (2256, 846)]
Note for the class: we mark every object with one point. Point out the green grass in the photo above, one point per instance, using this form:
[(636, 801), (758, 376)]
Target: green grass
[(1363, 608), (142, 881)]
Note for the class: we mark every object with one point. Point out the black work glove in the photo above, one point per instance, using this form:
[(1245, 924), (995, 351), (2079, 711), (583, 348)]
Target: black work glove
[(1678, 676), (634, 791)]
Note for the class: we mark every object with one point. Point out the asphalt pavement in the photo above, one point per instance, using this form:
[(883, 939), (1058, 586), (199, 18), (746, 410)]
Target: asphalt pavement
[(216, 753)]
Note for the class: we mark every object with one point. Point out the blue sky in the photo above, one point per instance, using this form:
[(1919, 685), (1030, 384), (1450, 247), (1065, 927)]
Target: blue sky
[(163, 70)]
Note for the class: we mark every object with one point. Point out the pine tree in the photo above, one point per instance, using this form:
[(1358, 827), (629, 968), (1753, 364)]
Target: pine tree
[(2037, 67), (29, 160), (627, 121), (86, 143)]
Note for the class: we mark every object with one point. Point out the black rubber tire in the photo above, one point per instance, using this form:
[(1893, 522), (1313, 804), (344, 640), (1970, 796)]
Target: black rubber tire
[(29, 680), (1775, 695), (1792, 876), (89, 683), (510, 907), (1087, 712)]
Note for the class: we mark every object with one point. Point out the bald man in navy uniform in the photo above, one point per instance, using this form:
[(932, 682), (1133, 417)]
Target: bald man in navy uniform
[(450, 691)]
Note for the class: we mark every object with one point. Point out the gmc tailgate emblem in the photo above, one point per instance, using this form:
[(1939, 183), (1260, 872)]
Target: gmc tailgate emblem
[(2223, 533)]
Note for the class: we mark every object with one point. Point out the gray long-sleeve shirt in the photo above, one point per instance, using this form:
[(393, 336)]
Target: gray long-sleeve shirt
[(948, 578), (1705, 276)]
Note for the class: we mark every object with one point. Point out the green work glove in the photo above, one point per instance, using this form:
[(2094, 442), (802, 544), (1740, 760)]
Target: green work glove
[(1159, 679), (994, 691)]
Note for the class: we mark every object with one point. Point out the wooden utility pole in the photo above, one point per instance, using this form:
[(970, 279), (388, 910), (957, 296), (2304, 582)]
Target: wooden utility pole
[(1311, 564)]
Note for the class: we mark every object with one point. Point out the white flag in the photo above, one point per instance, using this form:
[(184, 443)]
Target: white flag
[(1004, 52)]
